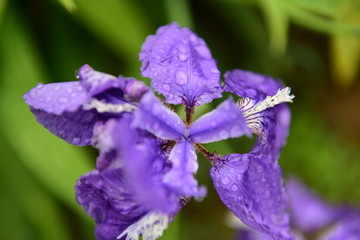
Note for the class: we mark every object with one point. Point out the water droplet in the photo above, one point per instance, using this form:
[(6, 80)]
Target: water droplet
[(76, 140), (79, 88), (48, 99), (183, 57), (69, 90), (239, 176), (214, 70), (40, 86), (181, 78), (224, 135), (225, 180), (166, 87), (57, 88), (203, 51), (73, 94), (234, 188), (266, 194), (63, 100)]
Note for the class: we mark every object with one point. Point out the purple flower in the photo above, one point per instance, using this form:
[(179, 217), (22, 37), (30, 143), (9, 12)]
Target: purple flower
[(146, 168), (311, 216)]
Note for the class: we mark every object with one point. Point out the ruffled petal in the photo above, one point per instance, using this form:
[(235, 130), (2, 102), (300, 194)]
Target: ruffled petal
[(56, 98), (106, 198), (252, 189), (226, 121), (154, 117), (180, 178), (308, 211), (181, 66)]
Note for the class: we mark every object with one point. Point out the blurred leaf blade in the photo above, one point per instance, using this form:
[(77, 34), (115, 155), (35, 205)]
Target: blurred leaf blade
[(322, 7), (2, 9), (119, 23), (179, 11), (68, 4), (55, 163), (345, 49)]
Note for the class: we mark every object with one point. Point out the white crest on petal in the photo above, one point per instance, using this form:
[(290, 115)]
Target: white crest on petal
[(151, 227), (252, 109), (103, 107)]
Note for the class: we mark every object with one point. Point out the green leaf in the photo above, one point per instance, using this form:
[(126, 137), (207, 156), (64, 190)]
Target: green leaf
[(121, 24), (68, 4), (2, 9), (277, 20), (345, 49), (55, 163)]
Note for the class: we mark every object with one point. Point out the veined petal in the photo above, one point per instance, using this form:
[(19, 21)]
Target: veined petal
[(180, 178), (181, 66), (226, 121), (308, 211), (252, 189), (74, 127), (154, 117)]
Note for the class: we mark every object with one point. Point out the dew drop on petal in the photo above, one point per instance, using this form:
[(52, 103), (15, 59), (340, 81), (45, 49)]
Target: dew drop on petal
[(63, 100), (166, 87), (57, 88), (181, 78), (234, 188), (225, 180)]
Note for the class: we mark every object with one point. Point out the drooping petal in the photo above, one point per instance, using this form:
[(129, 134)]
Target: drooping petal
[(252, 189), (154, 117), (180, 178), (263, 104), (181, 66), (56, 98), (226, 121), (308, 211), (74, 127)]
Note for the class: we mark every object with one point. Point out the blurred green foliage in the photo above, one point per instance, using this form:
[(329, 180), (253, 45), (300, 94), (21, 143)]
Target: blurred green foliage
[(314, 46)]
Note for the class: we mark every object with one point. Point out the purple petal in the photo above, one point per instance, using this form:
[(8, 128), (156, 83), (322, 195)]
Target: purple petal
[(154, 117), (56, 98), (250, 85), (309, 212), (74, 127), (181, 66), (180, 178), (226, 121), (106, 198), (253, 191)]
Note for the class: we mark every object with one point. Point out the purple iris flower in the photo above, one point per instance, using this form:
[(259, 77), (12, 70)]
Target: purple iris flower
[(313, 218), (146, 168)]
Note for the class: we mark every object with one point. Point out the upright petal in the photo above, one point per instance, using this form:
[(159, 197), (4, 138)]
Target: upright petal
[(252, 189), (154, 117), (226, 121), (347, 228), (180, 178), (308, 211), (181, 66)]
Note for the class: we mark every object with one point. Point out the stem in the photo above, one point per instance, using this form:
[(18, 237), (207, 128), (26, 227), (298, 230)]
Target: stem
[(212, 157), (189, 113)]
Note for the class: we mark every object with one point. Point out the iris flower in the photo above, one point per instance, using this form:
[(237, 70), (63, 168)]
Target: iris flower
[(145, 172)]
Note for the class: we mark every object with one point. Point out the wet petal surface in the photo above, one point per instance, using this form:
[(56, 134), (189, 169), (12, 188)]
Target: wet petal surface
[(181, 175), (226, 121), (181, 66), (252, 189), (154, 117)]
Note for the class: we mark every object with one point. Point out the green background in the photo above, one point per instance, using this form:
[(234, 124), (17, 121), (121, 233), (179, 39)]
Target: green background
[(314, 46)]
